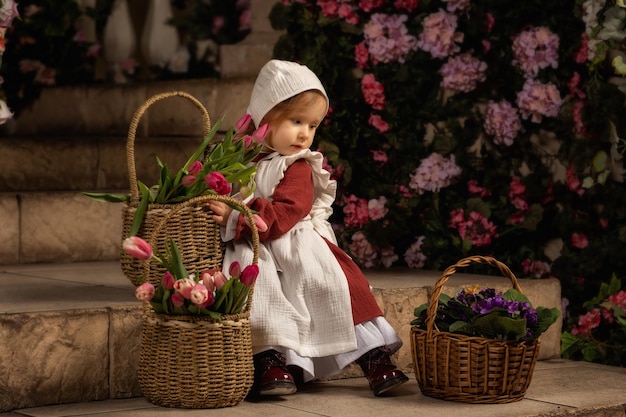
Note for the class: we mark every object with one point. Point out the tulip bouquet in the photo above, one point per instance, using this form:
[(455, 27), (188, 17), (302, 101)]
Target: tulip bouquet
[(213, 168), (208, 293), (490, 314)]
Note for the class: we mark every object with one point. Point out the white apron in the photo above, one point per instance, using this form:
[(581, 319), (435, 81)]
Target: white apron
[(301, 298)]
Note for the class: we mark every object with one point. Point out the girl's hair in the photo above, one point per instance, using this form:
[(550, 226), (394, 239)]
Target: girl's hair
[(295, 104)]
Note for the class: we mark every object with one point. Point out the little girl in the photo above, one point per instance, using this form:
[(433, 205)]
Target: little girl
[(312, 311)]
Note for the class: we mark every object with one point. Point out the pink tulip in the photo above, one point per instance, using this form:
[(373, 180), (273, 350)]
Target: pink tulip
[(144, 292), (235, 269), (249, 275), (216, 182), (184, 286), (206, 277), (188, 180), (178, 299), (243, 123), (247, 141), (201, 296), (259, 222), (137, 247), (168, 281), (260, 134), (194, 168), (219, 279)]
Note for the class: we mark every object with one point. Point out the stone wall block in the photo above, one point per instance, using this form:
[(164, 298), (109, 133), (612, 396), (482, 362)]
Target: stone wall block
[(68, 227), (53, 357), (124, 348), (9, 229)]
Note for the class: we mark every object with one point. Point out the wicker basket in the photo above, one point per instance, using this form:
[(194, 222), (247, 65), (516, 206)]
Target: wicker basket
[(470, 369), (195, 361), (192, 227)]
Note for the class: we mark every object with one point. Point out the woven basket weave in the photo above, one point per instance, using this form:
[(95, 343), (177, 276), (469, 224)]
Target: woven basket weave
[(469, 369), (195, 361), (193, 228)]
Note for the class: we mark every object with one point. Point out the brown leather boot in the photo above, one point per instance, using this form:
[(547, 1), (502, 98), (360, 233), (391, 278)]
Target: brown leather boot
[(381, 373), (271, 376)]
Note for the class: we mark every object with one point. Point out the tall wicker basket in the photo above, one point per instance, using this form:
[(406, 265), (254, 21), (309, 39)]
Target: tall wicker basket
[(469, 369), (195, 361), (192, 226)]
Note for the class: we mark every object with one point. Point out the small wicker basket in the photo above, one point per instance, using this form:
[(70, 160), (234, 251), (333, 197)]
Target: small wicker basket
[(469, 369), (192, 227), (189, 361)]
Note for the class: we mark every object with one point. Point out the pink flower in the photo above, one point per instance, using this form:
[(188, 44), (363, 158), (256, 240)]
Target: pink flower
[(406, 5), (475, 227), (517, 194), (216, 182), (439, 36), (387, 38), (249, 275), (462, 73), (144, 292), (475, 190), (213, 279), (414, 257), (572, 181), (243, 123), (8, 12), (184, 286), (188, 180), (361, 55), (434, 173), (137, 247), (259, 223), (378, 122), (168, 280), (376, 208), (460, 5), (587, 322), (234, 270), (355, 211), (579, 240), (194, 168), (537, 99), (259, 134), (502, 122), (373, 92), (363, 251), (201, 296), (178, 300), (535, 49), (536, 269), (369, 5), (379, 156), (388, 256)]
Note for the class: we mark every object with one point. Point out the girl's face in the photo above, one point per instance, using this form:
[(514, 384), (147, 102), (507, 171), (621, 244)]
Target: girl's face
[(296, 132)]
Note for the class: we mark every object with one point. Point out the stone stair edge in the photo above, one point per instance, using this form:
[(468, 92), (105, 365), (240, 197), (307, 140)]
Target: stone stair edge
[(103, 359), (96, 110)]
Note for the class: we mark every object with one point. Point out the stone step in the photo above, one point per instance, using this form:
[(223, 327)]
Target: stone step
[(72, 330)]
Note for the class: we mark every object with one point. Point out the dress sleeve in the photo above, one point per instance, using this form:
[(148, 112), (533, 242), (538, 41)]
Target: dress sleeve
[(291, 202)]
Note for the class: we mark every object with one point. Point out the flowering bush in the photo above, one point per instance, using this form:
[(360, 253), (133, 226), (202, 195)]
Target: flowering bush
[(212, 169), (600, 334), (49, 46), (180, 292), (464, 127), (485, 313), (8, 12)]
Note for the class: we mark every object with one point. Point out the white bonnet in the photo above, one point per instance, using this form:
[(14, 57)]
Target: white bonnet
[(277, 81)]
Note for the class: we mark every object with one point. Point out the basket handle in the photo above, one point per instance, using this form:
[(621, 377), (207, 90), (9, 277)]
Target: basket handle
[(203, 199), (132, 131), (431, 313)]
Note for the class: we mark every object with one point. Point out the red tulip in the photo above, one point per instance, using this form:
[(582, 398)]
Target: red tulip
[(249, 275)]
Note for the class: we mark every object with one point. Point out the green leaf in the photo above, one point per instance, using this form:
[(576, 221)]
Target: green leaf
[(142, 208), (545, 318), (569, 344), (462, 327), (495, 325), (514, 295), (108, 198)]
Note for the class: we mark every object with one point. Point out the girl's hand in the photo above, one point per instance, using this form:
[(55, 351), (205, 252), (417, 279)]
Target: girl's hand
[(221, 212)]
